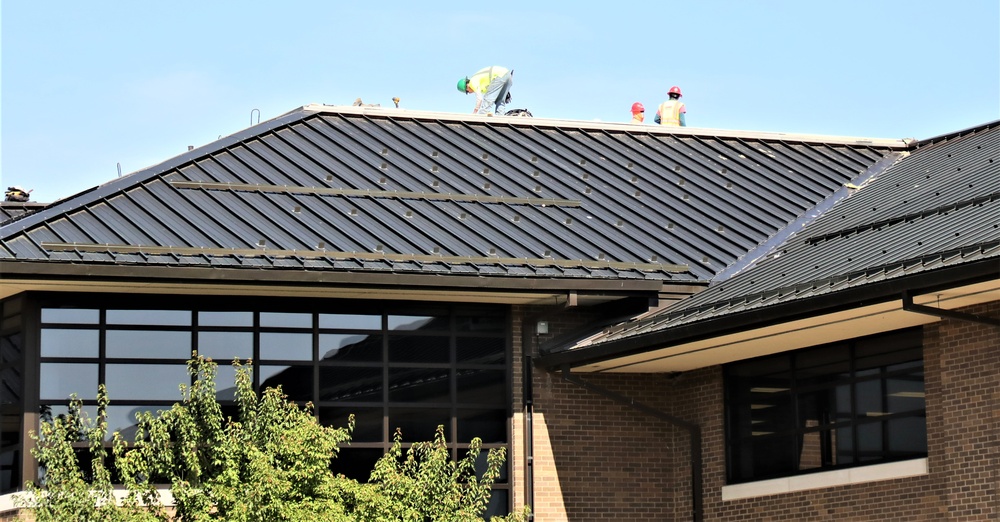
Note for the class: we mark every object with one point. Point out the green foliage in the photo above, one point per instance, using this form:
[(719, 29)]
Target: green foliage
[(272, 463)]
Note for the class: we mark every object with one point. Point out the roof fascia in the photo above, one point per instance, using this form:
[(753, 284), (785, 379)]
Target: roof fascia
[(866, 295), (12, 269)]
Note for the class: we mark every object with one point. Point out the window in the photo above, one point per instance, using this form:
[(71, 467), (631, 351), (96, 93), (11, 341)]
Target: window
[(834, 406), (390, 364)]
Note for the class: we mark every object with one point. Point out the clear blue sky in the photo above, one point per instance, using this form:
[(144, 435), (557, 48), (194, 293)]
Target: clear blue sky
[(90, 84)]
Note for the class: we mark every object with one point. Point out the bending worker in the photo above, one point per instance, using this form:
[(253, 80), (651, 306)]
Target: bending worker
[(638, 113), (671, 112), (491, 86)]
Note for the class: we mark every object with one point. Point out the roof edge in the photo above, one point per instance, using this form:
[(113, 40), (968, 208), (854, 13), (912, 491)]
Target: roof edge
[(388, 112), (948, 277)]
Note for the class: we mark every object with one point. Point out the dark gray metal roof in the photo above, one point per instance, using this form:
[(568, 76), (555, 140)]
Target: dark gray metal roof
[(382, 190), (938, 207), (12, 209)]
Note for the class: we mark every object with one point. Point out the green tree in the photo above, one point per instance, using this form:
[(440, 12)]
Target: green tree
[(271, 463)]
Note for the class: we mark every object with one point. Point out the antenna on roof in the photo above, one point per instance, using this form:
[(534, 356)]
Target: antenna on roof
[(251, 116), (119, 169)]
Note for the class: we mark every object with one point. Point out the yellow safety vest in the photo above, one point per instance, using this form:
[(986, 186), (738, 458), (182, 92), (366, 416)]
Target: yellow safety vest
[(670, 112), (482, 78)]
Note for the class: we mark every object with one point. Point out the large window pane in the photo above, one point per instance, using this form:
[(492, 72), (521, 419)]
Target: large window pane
[(367, 422), (224, 346), (225, 319), (419, 424), (285, 320), (122, 419), (419, 385), (481, 350), (150, 317), (418, 322), (138, 344), (355, 463), (58, 380), (145, 382), (350, 347), (296, 381), (350, 321), (419, 348), (339, 383), (70, 343), (482, 387), (488, 425), (70, 316), (286, 346)]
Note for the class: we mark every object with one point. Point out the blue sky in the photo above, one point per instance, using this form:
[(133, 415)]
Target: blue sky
[(88, 85)]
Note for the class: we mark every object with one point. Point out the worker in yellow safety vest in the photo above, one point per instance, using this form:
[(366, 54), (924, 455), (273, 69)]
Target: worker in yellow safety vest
[(491, 85), (672, 111), (638, 113)]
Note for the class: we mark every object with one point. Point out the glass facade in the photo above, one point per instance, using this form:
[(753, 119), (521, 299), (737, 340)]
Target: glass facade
[(828, 407), (412, 367)]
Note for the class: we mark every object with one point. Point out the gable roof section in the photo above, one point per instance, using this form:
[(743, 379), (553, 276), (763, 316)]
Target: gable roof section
[(390, 191), (936, 214)]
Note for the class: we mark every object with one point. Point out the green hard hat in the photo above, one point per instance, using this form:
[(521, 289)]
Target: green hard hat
[(462, 83)]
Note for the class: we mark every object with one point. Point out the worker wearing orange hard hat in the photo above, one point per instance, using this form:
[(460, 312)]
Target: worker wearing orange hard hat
[(672, 111), (491, 85), (638, 112)]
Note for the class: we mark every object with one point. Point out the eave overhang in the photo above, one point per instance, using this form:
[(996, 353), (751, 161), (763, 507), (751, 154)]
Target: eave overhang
[(864, 310), (21, 276)]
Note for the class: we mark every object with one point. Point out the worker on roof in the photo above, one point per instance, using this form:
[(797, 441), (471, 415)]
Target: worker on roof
[(638, 113), (491, 85), (672, 111)]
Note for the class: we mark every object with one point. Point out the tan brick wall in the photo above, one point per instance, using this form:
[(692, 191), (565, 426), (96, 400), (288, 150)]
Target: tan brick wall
[(597, 460)]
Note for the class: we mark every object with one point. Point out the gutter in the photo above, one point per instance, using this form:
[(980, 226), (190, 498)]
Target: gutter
[(873, 293)]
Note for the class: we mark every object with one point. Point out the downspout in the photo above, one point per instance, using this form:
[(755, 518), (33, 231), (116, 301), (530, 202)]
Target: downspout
[(529, 434), (694, 433)]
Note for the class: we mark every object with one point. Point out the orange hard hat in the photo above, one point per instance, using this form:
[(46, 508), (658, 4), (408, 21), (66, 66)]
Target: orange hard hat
[(675, 90), (637, 107)]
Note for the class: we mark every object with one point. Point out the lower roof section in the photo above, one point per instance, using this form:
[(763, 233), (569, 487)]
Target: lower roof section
[(852, 313)]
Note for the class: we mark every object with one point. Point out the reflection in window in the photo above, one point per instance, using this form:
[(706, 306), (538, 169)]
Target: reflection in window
[(285, 320), (224, 346), (857, 402), (418, 322), (145, 381), (295, 381), (419, 385), (350, 384), (419, 348), (286, 346), (70, 316), (138, 344), (225, 319), (70, 343), (419, 424), (58, 381), (157, 317), (350, 347), (367, 422), (350, 321)]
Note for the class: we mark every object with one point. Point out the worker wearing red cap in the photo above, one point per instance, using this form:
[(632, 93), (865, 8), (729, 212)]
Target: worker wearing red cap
[(672, 111), (638, 112), (491, 86)]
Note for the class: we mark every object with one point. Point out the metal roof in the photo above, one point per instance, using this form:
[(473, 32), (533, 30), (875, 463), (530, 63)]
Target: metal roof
[(938, 207), (358, 189)]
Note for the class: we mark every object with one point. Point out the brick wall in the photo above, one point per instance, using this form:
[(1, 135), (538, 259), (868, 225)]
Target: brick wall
[(597, 460)]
